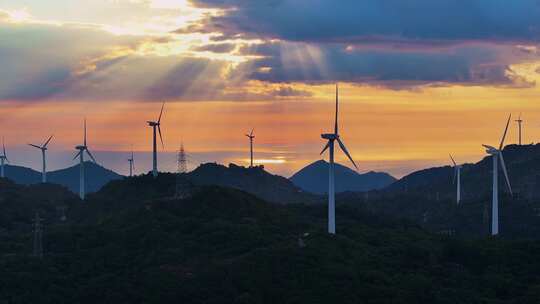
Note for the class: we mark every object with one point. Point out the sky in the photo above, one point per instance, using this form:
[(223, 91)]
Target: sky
[(419, 79)]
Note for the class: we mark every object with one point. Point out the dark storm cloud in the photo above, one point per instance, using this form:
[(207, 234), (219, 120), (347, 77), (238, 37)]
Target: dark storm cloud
[(376, 20), (299, 62)]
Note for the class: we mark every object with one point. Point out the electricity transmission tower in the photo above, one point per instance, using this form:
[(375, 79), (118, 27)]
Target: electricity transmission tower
[(182, 185), (38, 237)]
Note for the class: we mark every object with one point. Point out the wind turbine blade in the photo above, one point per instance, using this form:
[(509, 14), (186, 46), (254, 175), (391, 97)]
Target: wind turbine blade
[(453, 160), (344, 149), (47, 142), (503, 165), (160, 137), (85, 132), (505, 131), (91, 156), (161, 112), (325, 147), (337, 108), (34, 146), (77, 155), (4, 148), (251, 134)]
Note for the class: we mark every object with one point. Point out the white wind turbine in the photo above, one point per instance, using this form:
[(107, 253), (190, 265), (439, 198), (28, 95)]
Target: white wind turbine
[(251, 137), (457, 178), (155, 124), (332, 137), (520, 122), (43, 149), (3, 159), (131, 161), (497, 156), (83, 148)]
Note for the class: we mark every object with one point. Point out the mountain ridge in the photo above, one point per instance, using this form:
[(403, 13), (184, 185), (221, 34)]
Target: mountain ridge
[(96, 176), (314, 178)]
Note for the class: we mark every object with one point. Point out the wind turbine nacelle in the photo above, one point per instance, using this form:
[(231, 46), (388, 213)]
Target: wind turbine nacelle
[(329, 136), (152, 123), (80, 147)]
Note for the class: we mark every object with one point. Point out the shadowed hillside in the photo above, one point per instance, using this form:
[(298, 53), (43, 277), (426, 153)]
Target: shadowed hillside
[(223, 245), (428, 197), (522, 162), (256, 180)]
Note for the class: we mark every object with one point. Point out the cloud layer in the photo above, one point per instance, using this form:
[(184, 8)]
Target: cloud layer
[(350, 21), (257, 50)]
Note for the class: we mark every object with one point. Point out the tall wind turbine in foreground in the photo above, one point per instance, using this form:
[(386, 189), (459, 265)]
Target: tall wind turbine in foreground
[(519, 121), (131, 161), (43, 149), (83, 148), (457, 178), (155, 125), (251, 137), (497, 155), (3, 159), (332, 137)]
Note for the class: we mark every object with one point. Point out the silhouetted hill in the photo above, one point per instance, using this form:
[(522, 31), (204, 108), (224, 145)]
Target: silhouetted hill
[(314, 178), (428, 197), (18, 203), (224, 245), (96, 176), (256, 180), (522, 162)]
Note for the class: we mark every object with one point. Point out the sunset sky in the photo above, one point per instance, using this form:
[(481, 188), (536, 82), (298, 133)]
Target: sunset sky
[(419, 79)]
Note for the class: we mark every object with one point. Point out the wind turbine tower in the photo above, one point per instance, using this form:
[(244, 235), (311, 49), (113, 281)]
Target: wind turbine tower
[(520, 122), (156, 125), (457, 179), (3, 159), (131, 161), (332, 138), (43, 149), (497, 156), (83, 148), (251, 137)]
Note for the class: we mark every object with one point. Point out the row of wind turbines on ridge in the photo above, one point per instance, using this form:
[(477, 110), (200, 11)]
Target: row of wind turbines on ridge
[(331, 139)]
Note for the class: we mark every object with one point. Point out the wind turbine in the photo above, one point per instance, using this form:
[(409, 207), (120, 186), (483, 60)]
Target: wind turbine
[(519, 121), (43, 149), (157, 124), (3, 159), (457, 179), (497, 155), (131, 161), (251, 137), (83, 148), (332, 137)]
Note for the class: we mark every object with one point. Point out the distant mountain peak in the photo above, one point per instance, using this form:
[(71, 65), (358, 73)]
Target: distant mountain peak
[(96, 176), (314, 178)]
